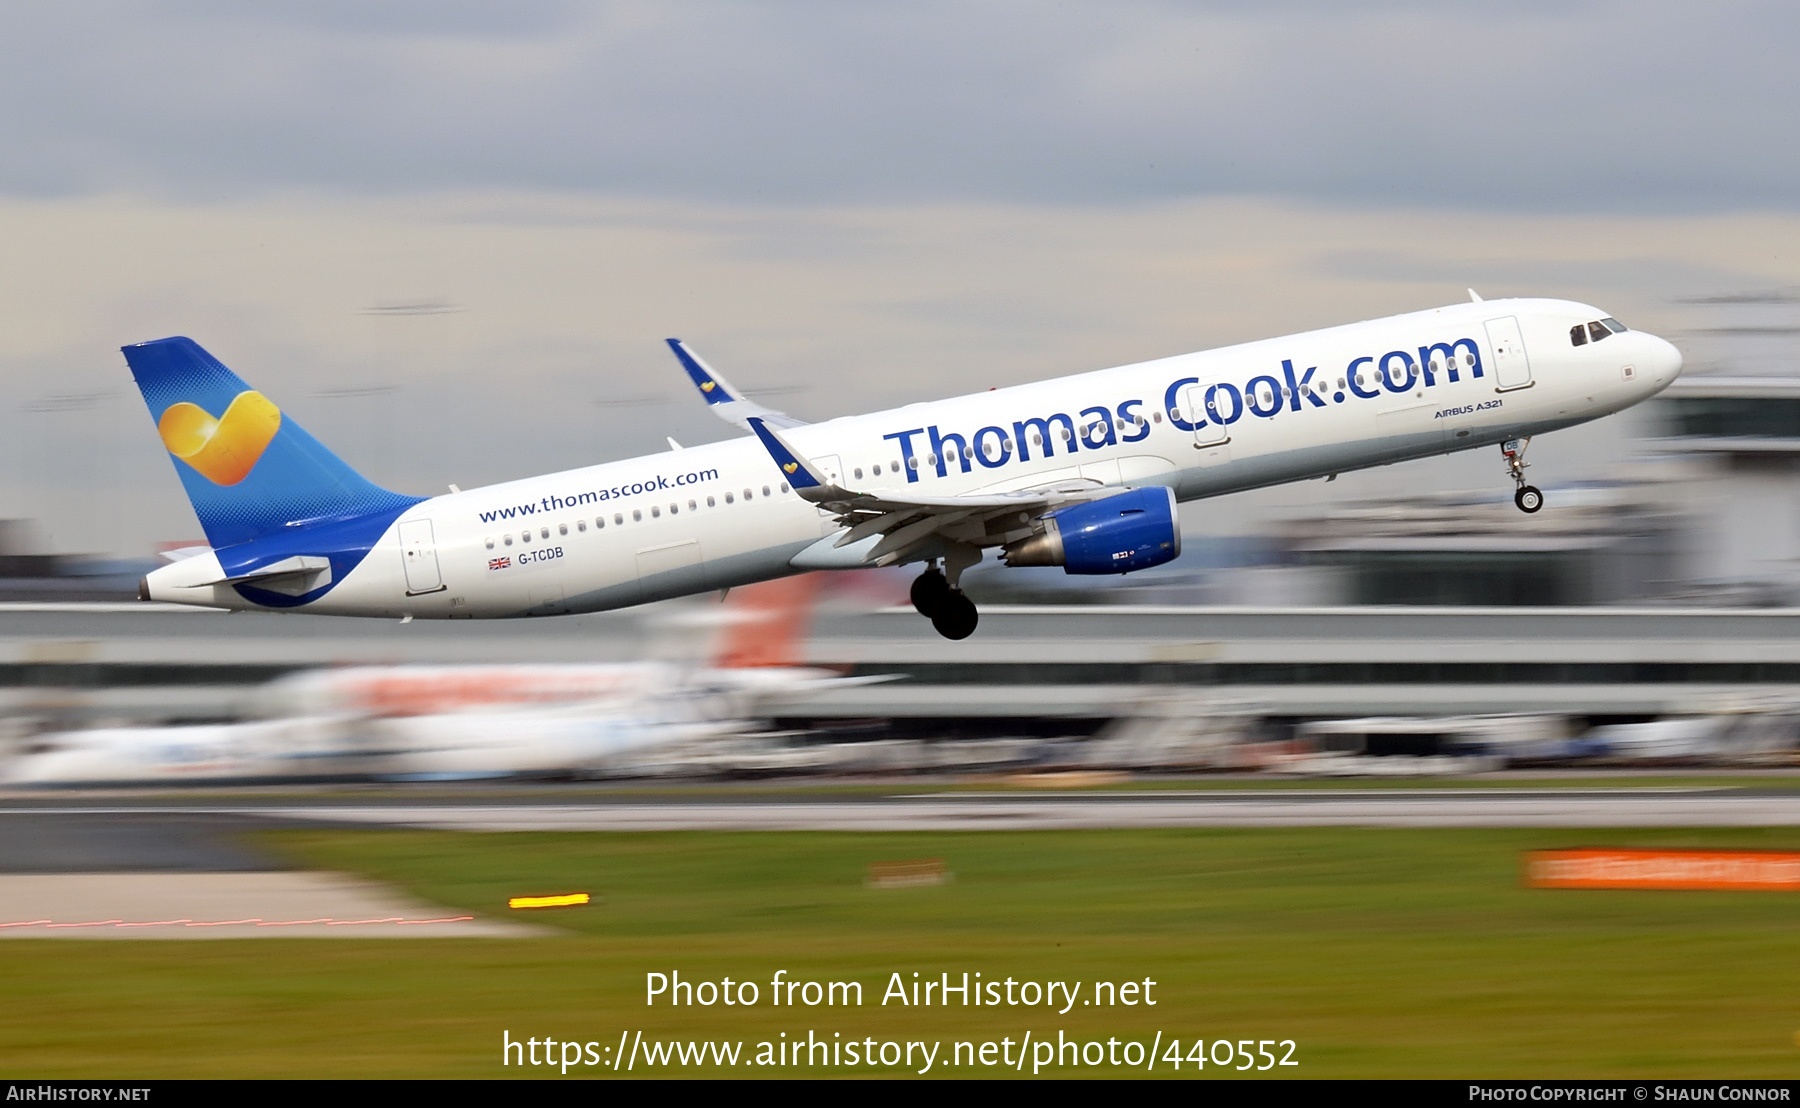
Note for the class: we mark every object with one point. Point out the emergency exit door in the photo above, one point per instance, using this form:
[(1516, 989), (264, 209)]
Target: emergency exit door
[(1212, 437)]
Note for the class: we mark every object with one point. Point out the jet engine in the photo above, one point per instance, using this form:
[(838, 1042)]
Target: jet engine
[(1131, 531)]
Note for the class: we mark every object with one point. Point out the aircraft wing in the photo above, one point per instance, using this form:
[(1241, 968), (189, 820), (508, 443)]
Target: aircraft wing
[(727, 401), (903, 525)]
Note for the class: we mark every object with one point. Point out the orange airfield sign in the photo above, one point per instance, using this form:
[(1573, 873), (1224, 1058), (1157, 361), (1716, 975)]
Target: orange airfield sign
[(1622, 868)]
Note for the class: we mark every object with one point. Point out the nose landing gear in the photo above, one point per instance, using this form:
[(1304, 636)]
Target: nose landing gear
[(1528, 498), (938, 599)]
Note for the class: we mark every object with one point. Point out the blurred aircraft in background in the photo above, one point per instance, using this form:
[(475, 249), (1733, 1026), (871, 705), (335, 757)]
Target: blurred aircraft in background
[(466, 721)]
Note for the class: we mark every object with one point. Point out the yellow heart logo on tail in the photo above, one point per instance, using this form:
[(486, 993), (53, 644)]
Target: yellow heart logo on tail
[(223, 450), (790, 467), (708, 386)]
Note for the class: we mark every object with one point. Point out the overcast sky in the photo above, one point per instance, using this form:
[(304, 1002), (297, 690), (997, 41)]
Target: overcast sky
[(851, 204)]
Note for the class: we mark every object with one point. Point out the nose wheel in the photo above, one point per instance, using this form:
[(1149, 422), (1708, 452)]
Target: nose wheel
[(951, 612), (1528, 498)]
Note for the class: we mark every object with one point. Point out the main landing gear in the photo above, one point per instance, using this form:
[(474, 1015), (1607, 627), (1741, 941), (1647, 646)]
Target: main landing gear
[(1529, 498), (951, 612)]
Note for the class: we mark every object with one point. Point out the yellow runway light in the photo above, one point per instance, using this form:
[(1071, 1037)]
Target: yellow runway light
[(567, 900)]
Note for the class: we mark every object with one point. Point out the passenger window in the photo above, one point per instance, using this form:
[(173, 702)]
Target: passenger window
[(655, 512), (562, 528), (545, 532), (526, 537), (508, 540), (693, 507), (637, 515), (599, 523), (581, 525), (748, 495), (858, 473), (784, 487), (490, 543), (1156, 415), (931, 459), (878, 469), (765, 490), (674, 509), (711, 503), (1597, 331), (1578, 335), (728, 499), (618, 519)]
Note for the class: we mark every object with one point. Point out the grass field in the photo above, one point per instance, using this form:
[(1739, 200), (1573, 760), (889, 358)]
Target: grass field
[(1380, 952)]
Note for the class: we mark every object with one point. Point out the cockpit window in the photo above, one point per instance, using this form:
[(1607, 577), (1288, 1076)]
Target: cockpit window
[(1614, 325), (1578, 335), (1597, 331)]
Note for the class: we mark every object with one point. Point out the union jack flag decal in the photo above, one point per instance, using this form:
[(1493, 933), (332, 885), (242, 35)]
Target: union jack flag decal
[(499, 563)]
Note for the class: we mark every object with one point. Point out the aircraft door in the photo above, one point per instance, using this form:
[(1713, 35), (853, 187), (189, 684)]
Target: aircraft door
[(418, 552), (1512, 369), (1211, 437)]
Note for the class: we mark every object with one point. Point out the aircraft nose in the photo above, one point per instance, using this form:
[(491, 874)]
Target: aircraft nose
[(1658, 360), (1663, 360)]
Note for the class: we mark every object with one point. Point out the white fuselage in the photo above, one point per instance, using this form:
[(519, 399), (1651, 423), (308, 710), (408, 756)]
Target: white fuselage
[(710, 517)]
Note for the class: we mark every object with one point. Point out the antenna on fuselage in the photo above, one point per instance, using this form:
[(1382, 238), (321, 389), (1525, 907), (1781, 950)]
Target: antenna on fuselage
[(1474, 297)]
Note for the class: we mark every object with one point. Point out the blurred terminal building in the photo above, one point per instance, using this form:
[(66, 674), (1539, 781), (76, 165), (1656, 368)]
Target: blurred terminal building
[(1667, 594)]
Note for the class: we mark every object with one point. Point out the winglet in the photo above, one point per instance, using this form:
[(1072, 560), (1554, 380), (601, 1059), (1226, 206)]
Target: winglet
[(726, 400), (799, 472), (713, 388)]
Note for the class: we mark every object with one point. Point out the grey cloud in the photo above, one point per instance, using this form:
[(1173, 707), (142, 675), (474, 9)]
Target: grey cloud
[(1599, 106)]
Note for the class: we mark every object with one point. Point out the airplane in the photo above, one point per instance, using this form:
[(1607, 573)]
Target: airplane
[(554, 741), (755, 659), (1083, 472)]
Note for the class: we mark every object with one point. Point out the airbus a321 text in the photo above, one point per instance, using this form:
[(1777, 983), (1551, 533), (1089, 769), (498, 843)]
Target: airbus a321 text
[(1082, 472)]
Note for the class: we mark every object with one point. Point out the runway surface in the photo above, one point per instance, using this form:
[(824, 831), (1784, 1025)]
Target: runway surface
[(1500, 807), (259, 905)]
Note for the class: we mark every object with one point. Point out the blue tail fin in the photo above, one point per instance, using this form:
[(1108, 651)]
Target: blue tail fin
[(248, 469)]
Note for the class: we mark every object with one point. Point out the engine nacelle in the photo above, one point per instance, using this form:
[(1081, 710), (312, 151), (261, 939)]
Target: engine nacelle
[(1133, 530)]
